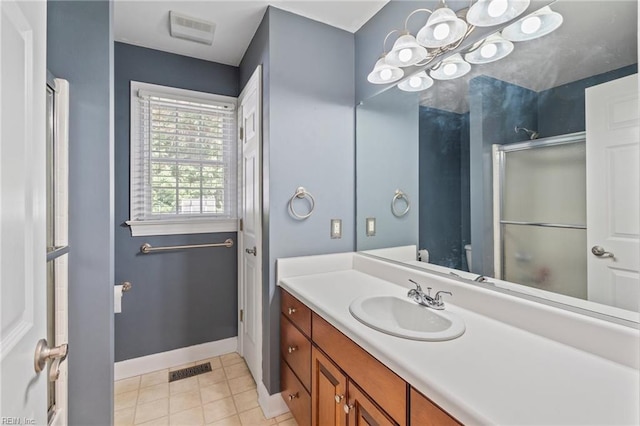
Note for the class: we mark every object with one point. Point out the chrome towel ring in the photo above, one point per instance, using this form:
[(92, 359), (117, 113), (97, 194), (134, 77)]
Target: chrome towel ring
[(302, 193), (399, 195)]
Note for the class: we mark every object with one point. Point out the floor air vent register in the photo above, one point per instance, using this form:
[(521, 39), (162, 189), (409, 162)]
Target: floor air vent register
[(185, 373)]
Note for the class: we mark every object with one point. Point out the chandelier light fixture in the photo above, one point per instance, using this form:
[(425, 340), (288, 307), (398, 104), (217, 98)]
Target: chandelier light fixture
[(445, 30)]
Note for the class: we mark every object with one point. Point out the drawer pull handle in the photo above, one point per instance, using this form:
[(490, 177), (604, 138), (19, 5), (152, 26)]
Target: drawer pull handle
[(292, 349), (347, 408), (293, 396), (292, 311), (339, 398)]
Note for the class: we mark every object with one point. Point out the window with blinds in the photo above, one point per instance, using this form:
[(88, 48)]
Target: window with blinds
[(183, 154)]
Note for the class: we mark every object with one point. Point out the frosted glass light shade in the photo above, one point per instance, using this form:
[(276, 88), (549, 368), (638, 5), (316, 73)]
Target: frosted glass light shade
[(487, 13), (451, 68), (492, 49), (442, 28), (406, 51), (416, 83), (384, 73), (538, 24)]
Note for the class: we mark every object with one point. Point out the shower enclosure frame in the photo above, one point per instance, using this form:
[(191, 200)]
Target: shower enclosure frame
[(499, 159)]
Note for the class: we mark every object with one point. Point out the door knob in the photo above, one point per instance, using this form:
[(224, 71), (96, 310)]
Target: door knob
[(292, 349), (293, 396), (56, 355), (338, 398), (600, 252), (252, 251), (347, 408)]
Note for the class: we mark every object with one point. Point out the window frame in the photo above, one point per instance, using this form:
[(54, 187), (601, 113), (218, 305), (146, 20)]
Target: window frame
[(175, 224)]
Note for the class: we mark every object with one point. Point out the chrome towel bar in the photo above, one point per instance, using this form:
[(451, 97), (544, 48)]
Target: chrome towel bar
[(148, 248)]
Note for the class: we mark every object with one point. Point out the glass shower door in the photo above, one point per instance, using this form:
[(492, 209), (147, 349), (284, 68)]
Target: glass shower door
[(542, 214)]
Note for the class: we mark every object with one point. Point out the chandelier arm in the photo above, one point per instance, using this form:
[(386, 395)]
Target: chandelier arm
[(384, 43), (406, 21)]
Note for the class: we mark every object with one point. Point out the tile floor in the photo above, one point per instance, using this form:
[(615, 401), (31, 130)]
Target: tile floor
[(225, 396)]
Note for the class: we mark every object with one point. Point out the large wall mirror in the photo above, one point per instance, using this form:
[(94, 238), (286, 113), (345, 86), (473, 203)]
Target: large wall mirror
[(523, 171)]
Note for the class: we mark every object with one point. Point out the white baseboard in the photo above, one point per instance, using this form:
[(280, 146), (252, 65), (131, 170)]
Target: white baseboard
[(272, 405), (147, 364)]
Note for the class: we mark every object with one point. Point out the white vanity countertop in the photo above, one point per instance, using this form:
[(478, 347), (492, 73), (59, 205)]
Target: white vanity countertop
[(494, 373)]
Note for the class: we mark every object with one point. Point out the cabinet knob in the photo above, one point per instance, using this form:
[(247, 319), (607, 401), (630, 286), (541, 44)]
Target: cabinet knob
[(339, 398), (293, 396), (292, 349), (347, 408), (292, 311)]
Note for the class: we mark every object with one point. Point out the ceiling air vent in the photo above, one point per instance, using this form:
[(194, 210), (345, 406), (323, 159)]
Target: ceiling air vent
[(188, 28)]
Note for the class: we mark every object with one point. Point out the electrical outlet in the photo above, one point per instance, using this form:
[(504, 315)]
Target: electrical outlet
[(336, 228), (370, 227)]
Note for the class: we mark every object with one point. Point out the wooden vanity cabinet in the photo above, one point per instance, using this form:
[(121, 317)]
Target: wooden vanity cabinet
[(327, 379)]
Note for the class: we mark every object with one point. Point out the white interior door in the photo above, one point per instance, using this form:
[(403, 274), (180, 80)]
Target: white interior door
[(613, 186), (250, 298), (23, 26)]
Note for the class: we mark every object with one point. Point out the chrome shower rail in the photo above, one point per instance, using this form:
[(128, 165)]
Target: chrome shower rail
[(148, 248), (542, 224)]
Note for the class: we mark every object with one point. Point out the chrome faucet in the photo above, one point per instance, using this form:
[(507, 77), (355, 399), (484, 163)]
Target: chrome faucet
[(418, 296)]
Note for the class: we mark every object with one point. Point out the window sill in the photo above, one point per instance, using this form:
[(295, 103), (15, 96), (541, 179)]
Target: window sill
[(143, 228)]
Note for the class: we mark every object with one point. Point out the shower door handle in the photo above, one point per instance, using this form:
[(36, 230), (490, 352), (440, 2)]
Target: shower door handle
[(600, 252), (252, 251)]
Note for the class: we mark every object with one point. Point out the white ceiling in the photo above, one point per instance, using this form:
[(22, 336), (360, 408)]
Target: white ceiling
[(146, 22), (596, 36)]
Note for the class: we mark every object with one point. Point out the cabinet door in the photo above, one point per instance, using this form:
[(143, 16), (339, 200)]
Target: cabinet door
[(329, 388), (362, 411), (426, 413)]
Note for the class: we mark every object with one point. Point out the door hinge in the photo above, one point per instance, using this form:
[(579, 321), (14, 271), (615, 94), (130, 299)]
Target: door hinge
[(241, 133), (241, 224), (241, 315)]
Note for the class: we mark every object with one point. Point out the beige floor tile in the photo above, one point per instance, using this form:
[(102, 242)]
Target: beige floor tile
[(152, 410), (288, 422), (219, 409), (155, 378), (191, 417), (246, 400), (229, 421), (255, 417), (126, 385), (124, 417), (241, 384), (230, 359), (214, 392), (162, 421), (125, 400), (184, 401), (236, 370), (215, 362), (152, 393), (283, 417), (181, 366), (208, 379), (184, 385)]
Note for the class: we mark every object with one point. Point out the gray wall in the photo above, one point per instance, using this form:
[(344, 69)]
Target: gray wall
[(180, 298), (80, 49), (387, 159), (308, 129)]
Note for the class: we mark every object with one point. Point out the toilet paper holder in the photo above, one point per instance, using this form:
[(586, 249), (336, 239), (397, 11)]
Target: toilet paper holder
[(126, 286)]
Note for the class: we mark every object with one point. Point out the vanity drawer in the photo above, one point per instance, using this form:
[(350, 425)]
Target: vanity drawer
[(425, 413), (374, 378), (296, 351), (295, 395), (296, 311)]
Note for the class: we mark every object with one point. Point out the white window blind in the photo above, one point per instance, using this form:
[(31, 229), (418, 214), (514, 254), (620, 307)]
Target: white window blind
[(183, 156)]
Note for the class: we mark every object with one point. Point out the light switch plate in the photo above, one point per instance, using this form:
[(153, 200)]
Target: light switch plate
[(336, 228), (370, 227)]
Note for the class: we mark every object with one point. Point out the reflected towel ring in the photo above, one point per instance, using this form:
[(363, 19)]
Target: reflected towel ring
[(399, 195), (301, 193)]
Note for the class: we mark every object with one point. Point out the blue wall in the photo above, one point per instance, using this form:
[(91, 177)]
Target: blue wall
[(80, 50), (440, 176), (386, 140), (561, 109), (180, 298), (308, 130)]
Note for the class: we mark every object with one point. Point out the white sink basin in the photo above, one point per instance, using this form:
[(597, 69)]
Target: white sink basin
[(405, 318)]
